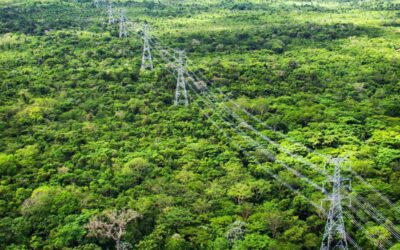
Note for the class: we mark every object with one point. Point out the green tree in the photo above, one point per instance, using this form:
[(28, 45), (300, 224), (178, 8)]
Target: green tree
[(379, 235)]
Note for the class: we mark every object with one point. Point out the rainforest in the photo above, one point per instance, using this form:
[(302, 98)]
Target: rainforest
[(185, 125)]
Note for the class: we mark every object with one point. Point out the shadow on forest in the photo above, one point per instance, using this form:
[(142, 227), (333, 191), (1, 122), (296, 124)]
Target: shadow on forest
[(36, 19), (275, 37)]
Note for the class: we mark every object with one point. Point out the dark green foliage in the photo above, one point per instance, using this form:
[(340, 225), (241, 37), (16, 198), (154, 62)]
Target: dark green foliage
[(83, 130)]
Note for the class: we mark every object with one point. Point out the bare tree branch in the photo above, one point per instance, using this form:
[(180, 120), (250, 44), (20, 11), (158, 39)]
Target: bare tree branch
[(112, 224)]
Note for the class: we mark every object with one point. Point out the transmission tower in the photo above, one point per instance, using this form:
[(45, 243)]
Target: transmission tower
[(335, 232), (110, 13), (123, 31), (181, 92), (147, 61)]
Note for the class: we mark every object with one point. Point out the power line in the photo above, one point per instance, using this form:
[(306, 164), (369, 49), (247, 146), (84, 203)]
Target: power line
[(272, 174), (360, 178), (163, 56), (181, 82), (294, 155)]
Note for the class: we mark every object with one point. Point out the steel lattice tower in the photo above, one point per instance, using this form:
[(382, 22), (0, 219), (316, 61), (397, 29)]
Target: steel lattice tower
[(110, 13), (181, 92), (147, 62), (335, 232), (123, 31)]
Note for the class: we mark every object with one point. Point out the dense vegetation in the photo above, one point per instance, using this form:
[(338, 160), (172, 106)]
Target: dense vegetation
[(88, 138)]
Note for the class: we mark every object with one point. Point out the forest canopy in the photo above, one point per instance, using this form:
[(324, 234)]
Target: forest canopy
[(95, 154)]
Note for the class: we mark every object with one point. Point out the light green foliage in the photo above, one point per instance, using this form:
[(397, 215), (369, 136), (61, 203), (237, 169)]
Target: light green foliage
[(176, 242), (7, 164), (27, 156), (240, 192), (132, 171), (379, 234), (83, 130), (47, 200), (395, 247), (39, 110)]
